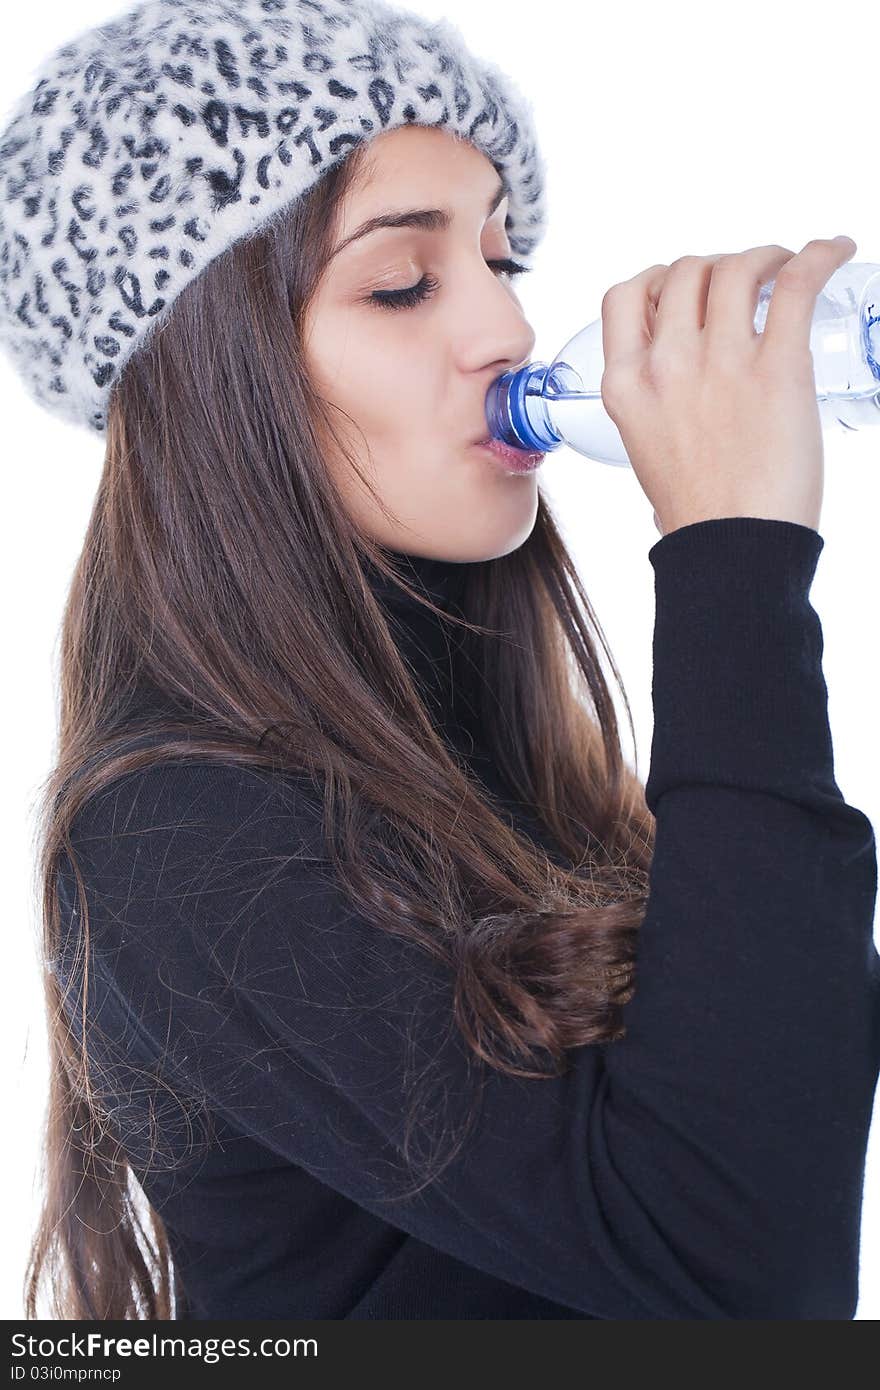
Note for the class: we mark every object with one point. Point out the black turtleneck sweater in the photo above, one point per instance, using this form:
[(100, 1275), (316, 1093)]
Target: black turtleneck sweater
[(710, 1164)]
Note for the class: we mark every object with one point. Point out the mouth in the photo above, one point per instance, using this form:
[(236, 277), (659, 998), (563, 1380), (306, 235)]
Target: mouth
[(512, 460)]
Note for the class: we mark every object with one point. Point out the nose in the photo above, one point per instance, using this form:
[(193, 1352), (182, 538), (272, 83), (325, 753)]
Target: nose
[(500, 337)]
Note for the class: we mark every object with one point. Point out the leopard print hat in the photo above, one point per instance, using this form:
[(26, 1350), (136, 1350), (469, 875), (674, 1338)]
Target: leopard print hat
[(150, 143)]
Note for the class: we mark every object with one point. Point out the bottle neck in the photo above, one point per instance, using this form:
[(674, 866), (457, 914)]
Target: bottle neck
[(516, 409)]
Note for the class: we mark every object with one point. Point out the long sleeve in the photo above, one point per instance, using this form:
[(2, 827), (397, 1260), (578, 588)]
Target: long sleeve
[(738, 1105), (710, 1163)]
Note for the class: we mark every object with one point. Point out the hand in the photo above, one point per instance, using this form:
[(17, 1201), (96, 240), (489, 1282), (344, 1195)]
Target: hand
[(717, 419)]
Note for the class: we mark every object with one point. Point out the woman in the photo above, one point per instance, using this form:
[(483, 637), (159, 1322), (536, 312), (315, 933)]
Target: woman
[(346, 879)]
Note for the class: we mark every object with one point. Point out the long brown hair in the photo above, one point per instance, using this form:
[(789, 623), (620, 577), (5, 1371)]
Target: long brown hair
[(217, 532)]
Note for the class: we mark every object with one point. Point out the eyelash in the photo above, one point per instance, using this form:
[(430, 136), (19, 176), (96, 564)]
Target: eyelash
[(415, 294)]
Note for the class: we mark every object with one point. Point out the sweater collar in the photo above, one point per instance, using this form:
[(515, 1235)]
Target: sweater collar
[(443, 581), (430, 644)]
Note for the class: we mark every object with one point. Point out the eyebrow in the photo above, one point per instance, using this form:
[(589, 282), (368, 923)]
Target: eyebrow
[(427, 219)]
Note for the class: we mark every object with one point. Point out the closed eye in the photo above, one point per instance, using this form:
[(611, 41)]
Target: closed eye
[(416, 294)]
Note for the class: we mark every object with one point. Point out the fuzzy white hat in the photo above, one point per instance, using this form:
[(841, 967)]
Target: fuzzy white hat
[(150, 143)]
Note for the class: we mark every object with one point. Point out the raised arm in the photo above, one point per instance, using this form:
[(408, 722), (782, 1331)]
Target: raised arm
[(707, 1165)]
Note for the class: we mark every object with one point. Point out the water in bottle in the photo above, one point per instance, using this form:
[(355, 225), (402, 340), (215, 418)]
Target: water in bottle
[(542, 407)]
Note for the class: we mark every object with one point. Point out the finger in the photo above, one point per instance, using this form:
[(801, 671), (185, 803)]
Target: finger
[(798, 285), (732, 299), (628, 311), (681, 310)]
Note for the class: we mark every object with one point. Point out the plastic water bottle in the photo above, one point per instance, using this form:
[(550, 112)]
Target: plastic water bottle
[(542, 407)]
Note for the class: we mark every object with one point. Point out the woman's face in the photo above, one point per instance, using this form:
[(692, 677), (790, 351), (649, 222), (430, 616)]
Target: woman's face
[(408, 385)]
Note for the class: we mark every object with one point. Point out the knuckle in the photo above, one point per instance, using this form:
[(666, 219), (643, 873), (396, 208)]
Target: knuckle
[(721, 350), (794, 275), (738, 261), (726, 262), (616, 384), (610, 385), (670, 365), (770, 369), (729, 367), (685, 261)]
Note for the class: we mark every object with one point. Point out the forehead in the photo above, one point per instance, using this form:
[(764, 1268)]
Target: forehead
[(421, 165)]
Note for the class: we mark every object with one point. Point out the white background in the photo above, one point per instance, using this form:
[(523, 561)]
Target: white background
[(668, 129)]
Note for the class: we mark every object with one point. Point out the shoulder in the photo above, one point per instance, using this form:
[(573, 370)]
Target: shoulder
[(199, 877), (200, 809), (187, 868)]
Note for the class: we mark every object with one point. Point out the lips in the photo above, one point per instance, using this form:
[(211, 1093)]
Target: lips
[(513, 460), (490, 439)]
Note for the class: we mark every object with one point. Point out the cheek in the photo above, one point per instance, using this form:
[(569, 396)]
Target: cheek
[(371, 375)]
